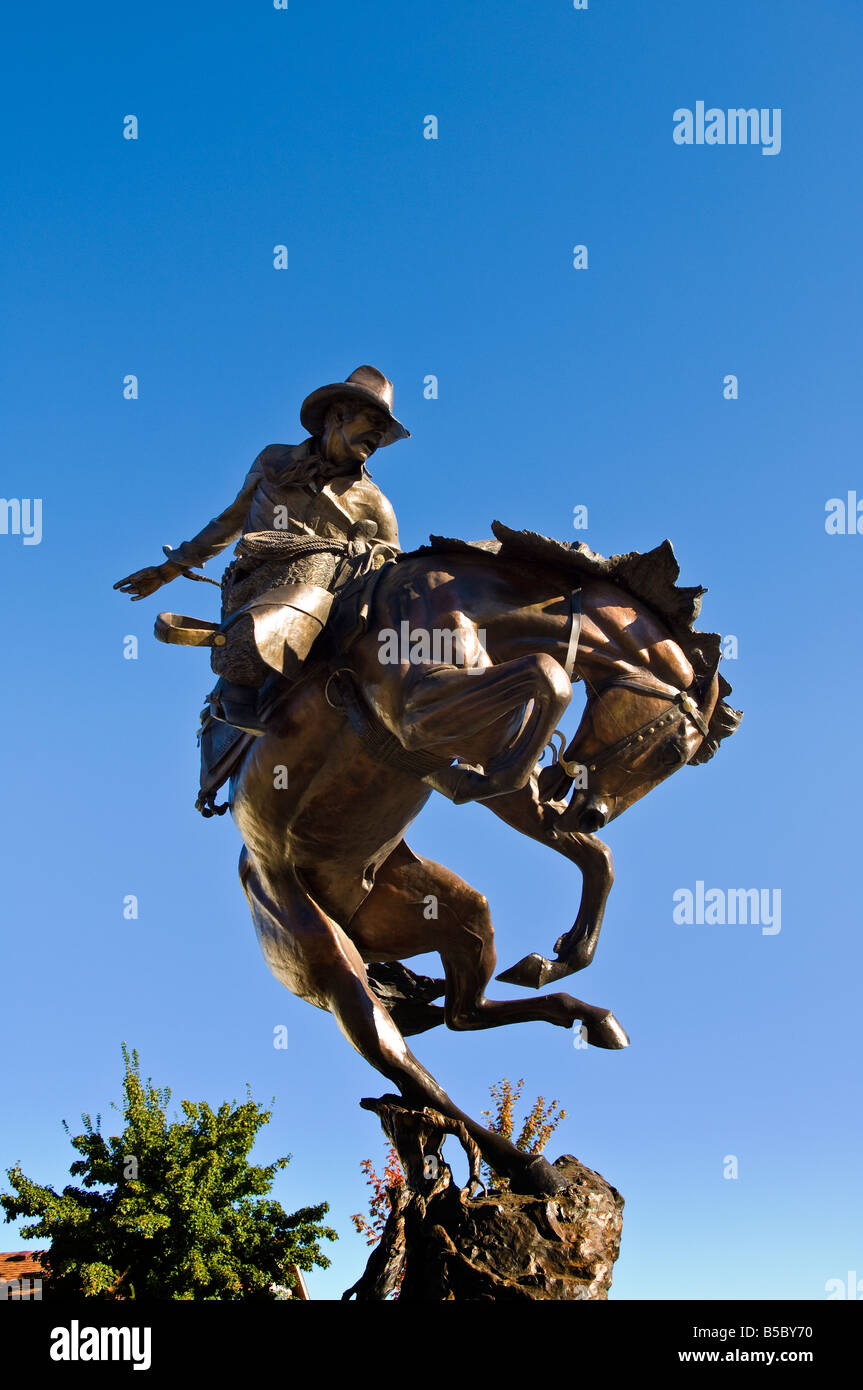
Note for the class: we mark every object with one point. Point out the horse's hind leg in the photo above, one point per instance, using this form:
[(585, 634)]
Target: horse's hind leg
[(310, 954), (392, 924)]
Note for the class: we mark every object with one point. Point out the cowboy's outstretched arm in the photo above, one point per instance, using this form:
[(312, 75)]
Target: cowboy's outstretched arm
[(217, 534)]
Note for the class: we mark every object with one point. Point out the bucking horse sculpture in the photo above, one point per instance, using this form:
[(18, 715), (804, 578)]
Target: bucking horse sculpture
[(367, 733)]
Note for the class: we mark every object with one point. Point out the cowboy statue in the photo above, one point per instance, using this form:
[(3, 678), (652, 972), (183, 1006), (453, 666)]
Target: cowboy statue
[(337, 895), (310, 522)]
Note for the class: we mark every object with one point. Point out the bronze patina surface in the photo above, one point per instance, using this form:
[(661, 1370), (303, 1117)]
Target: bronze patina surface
[(499, 632)]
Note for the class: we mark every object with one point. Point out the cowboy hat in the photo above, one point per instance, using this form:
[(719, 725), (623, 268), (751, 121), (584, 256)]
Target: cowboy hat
[(364, 387)]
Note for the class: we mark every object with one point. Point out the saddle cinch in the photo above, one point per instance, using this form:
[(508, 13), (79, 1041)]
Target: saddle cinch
[(279, 624)]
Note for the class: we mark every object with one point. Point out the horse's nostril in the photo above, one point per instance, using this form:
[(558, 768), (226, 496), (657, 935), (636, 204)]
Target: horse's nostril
[(593, 817)]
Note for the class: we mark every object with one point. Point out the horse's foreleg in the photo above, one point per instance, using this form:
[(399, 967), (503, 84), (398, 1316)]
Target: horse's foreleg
[(449, 707), (309, 953), (575, 949)]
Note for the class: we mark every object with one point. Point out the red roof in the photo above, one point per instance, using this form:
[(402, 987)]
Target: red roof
[(24, 1266), (21, 1264)]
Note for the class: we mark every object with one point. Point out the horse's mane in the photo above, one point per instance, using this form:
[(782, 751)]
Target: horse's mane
[(651, 577)]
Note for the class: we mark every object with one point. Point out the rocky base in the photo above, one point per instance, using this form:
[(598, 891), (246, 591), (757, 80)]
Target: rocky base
[(445, 1244)]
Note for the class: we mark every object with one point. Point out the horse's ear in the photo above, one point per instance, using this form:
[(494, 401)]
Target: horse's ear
[(665, 560)]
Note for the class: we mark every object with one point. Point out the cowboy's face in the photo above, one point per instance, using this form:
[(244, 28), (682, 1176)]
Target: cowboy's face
[(352, 434)]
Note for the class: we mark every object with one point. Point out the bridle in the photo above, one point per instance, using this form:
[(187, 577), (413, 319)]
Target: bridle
[(648, 732)]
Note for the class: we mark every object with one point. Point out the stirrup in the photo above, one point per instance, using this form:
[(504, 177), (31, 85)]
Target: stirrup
[(237, 705)]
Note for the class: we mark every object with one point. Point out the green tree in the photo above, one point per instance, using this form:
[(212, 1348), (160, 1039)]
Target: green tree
[(169, 1210)]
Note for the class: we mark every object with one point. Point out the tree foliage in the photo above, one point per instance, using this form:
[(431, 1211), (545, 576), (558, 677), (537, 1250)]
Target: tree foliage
[(538, 1125), (379, 1202), (169, 1210)]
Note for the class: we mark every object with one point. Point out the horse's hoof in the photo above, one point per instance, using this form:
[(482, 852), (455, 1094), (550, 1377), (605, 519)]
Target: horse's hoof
[(607, 1032), (474, 1187), (532, 972), (538, 1179)]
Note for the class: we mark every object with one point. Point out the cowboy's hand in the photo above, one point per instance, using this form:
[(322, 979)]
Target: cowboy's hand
[(145, 582)]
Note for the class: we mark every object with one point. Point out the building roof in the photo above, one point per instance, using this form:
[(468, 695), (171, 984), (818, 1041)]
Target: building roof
[(21, 1264), (27, 1264)]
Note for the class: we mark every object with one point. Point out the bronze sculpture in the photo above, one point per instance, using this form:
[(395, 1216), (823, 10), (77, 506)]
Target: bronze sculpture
[(372, 728), (318, 489)]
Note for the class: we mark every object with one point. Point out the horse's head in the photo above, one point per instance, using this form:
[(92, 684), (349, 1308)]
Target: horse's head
[(633, 735)]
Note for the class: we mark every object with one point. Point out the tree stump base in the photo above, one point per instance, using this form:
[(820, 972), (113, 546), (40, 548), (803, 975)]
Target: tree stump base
[(441, 1244)]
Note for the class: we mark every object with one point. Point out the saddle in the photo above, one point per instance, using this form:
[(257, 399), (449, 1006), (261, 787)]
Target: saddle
[(267, 635)]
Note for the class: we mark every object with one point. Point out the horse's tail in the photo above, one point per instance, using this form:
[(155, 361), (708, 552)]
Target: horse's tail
[(723, 722)]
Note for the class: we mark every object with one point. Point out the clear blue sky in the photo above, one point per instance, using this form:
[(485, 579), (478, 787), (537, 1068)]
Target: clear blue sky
[(557, 387)]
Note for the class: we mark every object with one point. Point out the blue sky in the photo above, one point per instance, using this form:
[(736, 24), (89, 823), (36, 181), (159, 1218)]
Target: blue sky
[(557, 387)]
